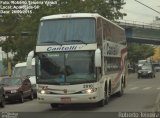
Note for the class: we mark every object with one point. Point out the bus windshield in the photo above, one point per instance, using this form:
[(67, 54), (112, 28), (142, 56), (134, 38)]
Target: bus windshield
[(59, 31), (65, 67)]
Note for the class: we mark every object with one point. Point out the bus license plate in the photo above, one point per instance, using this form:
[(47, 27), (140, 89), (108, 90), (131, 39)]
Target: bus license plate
[(65, 99)]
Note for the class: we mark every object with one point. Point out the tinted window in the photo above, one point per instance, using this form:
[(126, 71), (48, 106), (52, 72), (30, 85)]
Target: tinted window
[(67, 29)]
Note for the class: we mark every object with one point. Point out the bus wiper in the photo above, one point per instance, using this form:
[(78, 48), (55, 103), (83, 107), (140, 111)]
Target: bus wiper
[(55, 42), (76, 41), (4, 84)]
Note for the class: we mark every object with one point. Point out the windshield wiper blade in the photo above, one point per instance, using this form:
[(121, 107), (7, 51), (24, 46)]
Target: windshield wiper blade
[(55, 42), (2, 84), (80, 41)]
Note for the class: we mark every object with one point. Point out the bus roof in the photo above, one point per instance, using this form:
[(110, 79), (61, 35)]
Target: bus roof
[(73, 15), (77, 15)]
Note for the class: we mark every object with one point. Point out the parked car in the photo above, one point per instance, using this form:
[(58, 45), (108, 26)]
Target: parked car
[(2, 96), (20, 70), (156, 67), (17, 89), (147, 70)]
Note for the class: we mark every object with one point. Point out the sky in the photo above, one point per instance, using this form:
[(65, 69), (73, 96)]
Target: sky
[(137, 12)]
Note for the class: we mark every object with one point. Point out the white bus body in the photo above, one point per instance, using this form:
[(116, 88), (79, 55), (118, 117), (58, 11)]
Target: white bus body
[(80, 58)]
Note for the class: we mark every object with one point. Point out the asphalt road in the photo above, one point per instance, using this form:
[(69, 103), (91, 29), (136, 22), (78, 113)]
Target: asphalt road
[(140, 96)]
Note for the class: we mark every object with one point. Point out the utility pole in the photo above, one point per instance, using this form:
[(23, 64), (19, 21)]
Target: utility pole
[(9, 70)]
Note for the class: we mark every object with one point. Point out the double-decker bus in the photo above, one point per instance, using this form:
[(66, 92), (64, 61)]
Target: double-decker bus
[(80, 58)]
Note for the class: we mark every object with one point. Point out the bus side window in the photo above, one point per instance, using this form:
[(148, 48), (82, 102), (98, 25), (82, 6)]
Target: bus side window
[(99, 32), (99, 73)]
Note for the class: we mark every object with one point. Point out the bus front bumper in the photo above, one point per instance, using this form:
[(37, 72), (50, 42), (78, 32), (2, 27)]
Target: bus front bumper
[(68, 99)]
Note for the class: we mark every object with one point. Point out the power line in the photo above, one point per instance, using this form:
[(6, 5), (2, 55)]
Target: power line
[(148, 6)]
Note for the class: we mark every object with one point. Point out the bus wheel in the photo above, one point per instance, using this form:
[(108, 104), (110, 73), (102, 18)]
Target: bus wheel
[(105, 100), (53, 106), (106, 95), (101, 103), (121, 92)]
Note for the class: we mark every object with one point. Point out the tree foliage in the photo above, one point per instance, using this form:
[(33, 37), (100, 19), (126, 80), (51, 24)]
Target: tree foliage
[(138, 52), (16, 26)]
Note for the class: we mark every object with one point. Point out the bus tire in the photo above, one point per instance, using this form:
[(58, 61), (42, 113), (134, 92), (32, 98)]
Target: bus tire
[(101, 103), (121, 92), (106, 95), (105, 100), (53, 105)]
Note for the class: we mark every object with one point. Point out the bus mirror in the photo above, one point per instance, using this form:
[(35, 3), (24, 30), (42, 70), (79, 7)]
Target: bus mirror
[(29, 59), (98, 58)]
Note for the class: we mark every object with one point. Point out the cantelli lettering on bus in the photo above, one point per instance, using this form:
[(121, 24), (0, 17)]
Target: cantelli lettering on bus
[(62, 48)]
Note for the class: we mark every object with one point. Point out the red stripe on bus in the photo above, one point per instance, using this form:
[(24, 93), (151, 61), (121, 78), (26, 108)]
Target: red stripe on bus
[(124, 50)]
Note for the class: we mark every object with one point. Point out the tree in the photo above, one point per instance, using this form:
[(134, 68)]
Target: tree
[(13, 25), (107, 8), (137, 52), (8, 23)]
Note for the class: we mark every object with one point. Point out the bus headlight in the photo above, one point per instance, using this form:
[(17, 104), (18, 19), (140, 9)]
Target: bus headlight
[(89, 91), (42, 91)]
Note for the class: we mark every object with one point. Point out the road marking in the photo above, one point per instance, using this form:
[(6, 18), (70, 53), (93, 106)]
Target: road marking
[(134, 88), (147, 88)]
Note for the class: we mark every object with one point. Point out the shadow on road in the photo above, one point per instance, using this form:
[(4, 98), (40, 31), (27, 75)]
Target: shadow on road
[(17, 102), (80, 107)]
